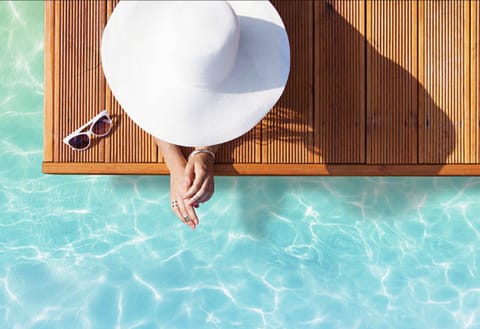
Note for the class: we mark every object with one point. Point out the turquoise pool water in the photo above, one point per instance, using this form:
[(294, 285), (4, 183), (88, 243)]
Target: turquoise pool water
[(106, 252)]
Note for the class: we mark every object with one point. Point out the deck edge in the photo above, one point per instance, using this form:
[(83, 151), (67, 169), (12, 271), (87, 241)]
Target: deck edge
[(268, 169)]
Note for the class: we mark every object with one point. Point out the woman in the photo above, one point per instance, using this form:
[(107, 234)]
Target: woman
[(191, 179), (177, 67)]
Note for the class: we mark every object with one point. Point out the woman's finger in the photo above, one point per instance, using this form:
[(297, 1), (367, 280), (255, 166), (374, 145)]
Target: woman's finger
[(195, 199), (196, 186), (189, 216), (184, 215), (206, 197), (176, 211), (208, 194), (192, 215), (204, 193), (189, 174)]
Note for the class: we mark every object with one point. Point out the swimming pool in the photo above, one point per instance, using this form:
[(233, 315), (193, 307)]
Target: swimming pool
[(106, 252)]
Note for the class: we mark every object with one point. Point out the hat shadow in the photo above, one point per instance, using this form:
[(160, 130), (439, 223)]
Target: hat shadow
[(387, 124), (263, 47)]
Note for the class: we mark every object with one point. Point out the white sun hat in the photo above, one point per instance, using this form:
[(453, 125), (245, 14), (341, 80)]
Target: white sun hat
[(196, 73)]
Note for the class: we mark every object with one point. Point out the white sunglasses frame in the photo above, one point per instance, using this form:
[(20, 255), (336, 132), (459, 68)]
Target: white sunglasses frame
[(89, 132)]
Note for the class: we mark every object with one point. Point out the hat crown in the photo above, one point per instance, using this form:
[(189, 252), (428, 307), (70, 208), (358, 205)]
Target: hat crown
[(201, 40)]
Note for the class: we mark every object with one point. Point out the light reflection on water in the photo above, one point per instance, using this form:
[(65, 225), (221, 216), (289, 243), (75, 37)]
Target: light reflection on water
[(105, 252)]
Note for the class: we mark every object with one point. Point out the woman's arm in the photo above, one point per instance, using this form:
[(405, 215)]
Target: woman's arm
[(176, 165)]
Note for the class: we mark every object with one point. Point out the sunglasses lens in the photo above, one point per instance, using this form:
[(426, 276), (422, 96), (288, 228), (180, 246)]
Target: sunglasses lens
[(102, 126), (79, 142)]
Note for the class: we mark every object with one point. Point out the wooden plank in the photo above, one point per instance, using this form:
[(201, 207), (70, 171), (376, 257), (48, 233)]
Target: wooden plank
[(421, 81), (56, 83), (109, 150), (359, 124), (78, 91), (318, 93), (271, 169), (288, 128), (414, 86), (340, 81), (49, 76), (443, 135), (475, 79), (392, 107), (258, 144), (370, 86), (100, 19), (466, 97)]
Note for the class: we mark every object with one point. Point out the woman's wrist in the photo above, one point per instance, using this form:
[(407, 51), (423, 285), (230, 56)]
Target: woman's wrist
[(199, 152), (204, 151), (211, 148)]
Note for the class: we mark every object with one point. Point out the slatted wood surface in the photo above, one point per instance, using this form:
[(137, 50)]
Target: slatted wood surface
[(376, 88)]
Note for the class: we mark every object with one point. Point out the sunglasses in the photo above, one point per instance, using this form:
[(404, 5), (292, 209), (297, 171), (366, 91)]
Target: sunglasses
[(100, 126)]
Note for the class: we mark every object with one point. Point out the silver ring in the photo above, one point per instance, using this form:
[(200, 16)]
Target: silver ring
[(174, 203), (187, 219)]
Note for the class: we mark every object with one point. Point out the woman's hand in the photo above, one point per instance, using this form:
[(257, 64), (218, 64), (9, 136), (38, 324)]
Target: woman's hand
[(199, 179), (176, 165), (180, 207)]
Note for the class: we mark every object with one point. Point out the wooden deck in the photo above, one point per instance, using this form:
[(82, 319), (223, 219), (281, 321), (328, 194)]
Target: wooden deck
[(376, 88)]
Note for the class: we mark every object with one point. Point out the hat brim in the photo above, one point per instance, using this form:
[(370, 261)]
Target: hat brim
[(188, 115)]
